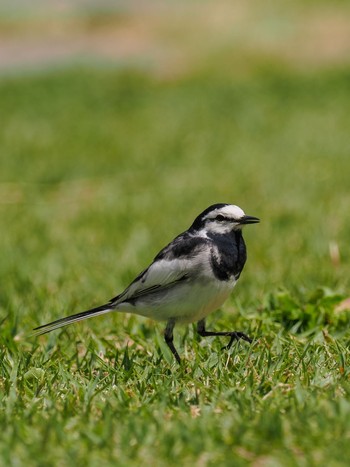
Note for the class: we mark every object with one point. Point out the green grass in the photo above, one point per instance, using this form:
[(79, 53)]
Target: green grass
[(99, 169)]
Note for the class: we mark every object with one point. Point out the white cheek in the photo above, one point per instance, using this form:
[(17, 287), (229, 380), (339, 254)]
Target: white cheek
[(221, 228)]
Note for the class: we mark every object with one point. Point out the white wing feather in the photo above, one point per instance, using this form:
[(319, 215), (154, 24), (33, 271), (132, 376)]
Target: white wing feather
[(160, 275)]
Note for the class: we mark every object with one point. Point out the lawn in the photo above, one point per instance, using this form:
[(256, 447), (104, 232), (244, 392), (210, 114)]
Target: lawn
[(100, 168)]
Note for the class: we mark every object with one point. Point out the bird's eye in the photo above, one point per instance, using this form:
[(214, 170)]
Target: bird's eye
[(220, 218)]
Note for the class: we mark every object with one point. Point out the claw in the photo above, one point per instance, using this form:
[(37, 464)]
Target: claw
[(235, 337)]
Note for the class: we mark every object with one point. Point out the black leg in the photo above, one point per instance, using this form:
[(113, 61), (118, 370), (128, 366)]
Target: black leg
[(234, 335), (168, 335)]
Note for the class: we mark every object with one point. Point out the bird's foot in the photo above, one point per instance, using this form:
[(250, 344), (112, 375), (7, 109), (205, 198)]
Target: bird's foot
[(235, 336)]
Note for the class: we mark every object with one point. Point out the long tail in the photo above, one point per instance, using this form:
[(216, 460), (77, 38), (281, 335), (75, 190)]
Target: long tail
[(59, 323)]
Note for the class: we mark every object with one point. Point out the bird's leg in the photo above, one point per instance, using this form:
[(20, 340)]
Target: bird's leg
[(168, 336), (234, 335)]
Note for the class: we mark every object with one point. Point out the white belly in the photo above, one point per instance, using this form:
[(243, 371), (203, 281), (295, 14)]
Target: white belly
[(186, 303)]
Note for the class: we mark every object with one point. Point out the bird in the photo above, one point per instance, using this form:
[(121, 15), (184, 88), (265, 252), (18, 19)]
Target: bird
[(189, 278)]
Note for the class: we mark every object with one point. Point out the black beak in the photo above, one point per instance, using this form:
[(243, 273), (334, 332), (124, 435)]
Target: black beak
[(249, 220)]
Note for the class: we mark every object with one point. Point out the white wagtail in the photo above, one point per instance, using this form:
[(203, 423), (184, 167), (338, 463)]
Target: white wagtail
[(188, 279)]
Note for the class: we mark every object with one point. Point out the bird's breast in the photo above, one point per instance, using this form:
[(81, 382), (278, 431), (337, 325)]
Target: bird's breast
[(227, 256)]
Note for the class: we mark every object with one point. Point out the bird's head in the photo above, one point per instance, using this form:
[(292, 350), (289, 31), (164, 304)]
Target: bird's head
[(222, 218)]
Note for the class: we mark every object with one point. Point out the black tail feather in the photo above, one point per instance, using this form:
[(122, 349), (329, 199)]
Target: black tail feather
[(45, 328)]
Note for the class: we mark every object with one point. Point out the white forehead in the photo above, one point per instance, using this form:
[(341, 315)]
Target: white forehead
[(232, 211)]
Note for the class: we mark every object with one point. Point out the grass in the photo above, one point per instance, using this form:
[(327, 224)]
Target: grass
[(99, 169)]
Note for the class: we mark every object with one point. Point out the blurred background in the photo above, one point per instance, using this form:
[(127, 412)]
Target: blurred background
[(121, 121)]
